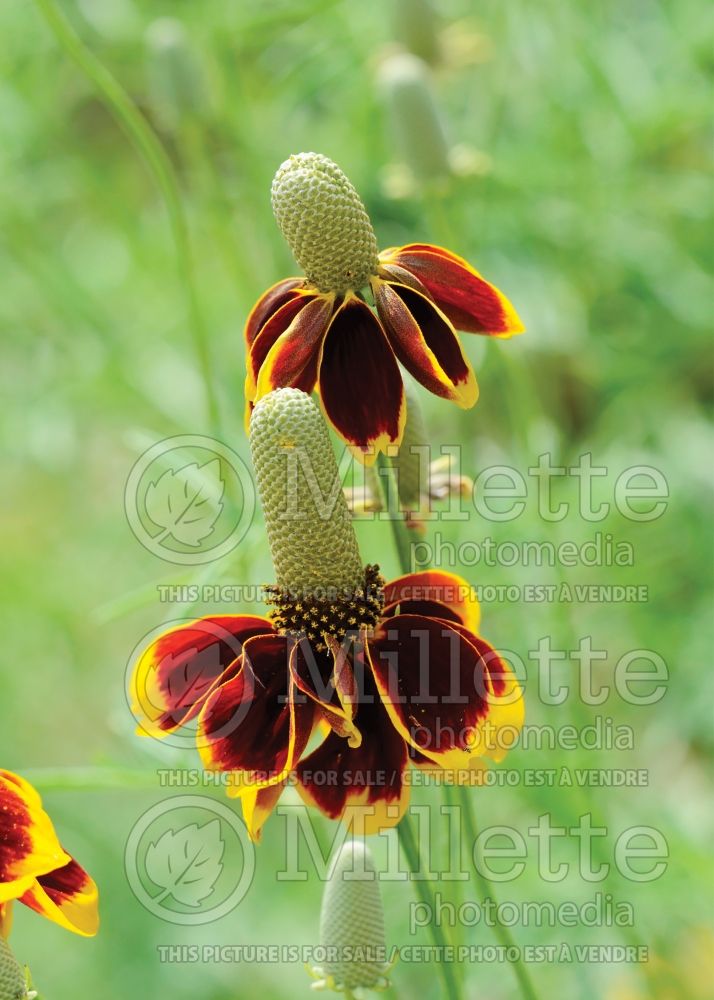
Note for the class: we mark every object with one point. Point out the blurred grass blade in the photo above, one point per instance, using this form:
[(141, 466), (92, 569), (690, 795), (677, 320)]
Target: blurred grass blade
[(147, 143)]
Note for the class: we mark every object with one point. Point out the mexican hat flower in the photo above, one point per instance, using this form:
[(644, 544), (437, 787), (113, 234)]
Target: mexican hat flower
[(34, 867), (319, 332), (349, 680)]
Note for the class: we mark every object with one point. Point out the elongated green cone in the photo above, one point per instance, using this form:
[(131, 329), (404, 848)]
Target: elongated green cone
[(322, 588), (324, 223), (352, 924), (12, 976), (312, 541), (416, 122), (176, 83)]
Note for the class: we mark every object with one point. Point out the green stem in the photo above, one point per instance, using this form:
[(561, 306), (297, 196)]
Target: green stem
[(401, 534), (483, 884), (149, 146), (411, 851), (402, 541)]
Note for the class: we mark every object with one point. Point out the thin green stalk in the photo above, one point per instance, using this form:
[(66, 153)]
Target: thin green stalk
[(502, 932), (403, 543), (402, 540), (423, 890), (149, 146), (401, 534)]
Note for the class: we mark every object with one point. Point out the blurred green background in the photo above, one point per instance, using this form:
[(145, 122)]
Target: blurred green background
[(579, 134)]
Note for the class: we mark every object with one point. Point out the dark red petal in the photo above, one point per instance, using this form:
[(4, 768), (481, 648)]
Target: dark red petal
[(68, 896), (327, 679), (365, 784), (434, 593), (293, 358), (425, 342), (470, 302), (359, 381), (176, 672), (268, 304), (251, 723), (277, 325), (434, 685)]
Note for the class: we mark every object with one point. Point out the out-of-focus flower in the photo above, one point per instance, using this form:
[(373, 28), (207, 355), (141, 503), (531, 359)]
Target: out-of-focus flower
[(319, 332)]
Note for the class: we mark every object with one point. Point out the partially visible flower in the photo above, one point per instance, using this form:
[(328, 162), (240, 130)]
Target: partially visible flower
[(34, 867), (386, 674), (319, 332)]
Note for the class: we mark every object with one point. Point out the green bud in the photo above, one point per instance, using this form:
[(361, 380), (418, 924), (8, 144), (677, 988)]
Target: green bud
[(352, 923), (312, 540), (414, 117), (13, 985), (417, 27), (324, 223), (176, 82)]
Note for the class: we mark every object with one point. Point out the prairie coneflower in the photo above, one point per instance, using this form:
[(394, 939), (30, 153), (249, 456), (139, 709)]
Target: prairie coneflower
[(384, 673), (319, 332), (34, 867)]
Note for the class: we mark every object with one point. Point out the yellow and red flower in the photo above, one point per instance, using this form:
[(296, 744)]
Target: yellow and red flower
[(421, 687), (34, 867), (318, 332)]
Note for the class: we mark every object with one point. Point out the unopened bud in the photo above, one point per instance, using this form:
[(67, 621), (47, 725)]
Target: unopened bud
[(417, 27), (176, 82), (324, 223), (414, 116), (352, 924)]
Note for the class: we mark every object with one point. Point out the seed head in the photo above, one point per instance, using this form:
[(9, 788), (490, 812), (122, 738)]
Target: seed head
[(324, 223), (13, 984), (352, 924), (312, 540)]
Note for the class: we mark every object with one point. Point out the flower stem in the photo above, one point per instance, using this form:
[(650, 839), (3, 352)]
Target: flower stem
[(402, 542), (149, 146), (486, 889), (401, 534), (411, 851)]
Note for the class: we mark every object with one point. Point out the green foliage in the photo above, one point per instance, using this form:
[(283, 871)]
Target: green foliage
[(590, 213)]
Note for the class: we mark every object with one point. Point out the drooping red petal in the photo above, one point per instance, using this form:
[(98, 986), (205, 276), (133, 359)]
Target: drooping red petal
[(251, 725), (293, 358), (176, 672), (28, 843), (270, 332), (471, 303), (425, 342), (268, 304), (68, 896), (360, 384), (433, 593), (364, 785), (258, 804), (434, 685), (327, 679)]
